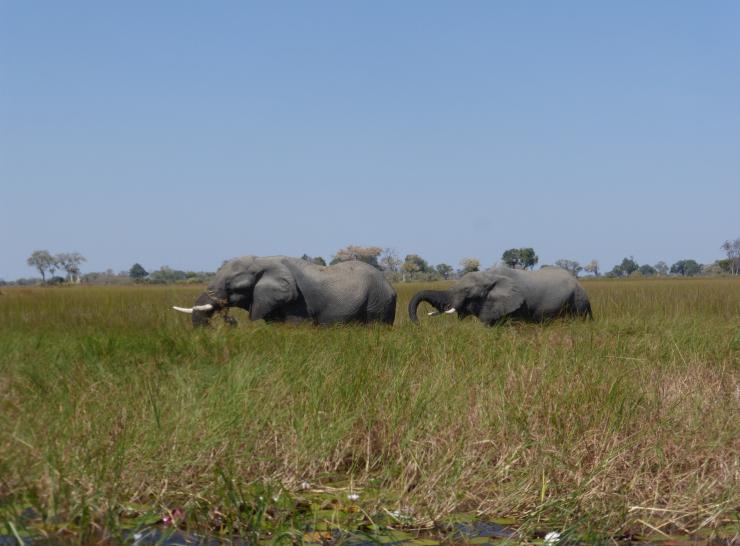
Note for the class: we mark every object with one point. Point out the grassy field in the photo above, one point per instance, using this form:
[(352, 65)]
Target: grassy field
[(114, 410)]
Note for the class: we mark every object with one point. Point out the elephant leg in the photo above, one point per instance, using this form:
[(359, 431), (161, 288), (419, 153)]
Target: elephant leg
[(275, 315), (577, 305), (583, 305), (583, 310)]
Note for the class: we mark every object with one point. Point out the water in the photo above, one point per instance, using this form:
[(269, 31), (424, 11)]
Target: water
[(478, 533)]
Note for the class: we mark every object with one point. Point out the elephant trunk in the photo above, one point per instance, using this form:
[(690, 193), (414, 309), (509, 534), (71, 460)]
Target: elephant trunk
[(439, 299), (203, 317)]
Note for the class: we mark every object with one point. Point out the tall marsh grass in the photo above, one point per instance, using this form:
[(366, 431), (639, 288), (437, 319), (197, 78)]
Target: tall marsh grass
[(108, 399)]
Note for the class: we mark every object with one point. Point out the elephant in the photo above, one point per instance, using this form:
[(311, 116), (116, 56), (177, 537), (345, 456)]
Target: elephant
[(499, 293), (279, 288)]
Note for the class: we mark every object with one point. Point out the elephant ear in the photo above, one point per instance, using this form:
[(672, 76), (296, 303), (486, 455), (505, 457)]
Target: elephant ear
[(274, 289), (242, 284), (504, 298)]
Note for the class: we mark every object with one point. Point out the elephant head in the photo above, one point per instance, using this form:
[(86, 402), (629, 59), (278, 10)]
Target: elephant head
[(258, 285), (487, 295)]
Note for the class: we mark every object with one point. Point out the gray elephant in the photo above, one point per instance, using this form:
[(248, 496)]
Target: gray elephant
[(278, 288), (503, 292)]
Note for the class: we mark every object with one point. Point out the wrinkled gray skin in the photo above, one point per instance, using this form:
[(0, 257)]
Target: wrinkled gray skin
[(503, 292), (279, 288)]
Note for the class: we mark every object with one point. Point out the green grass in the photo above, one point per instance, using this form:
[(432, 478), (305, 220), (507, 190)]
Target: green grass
[(111, 405)]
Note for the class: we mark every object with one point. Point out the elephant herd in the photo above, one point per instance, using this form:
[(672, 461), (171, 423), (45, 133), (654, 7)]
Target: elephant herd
[(279, 288)]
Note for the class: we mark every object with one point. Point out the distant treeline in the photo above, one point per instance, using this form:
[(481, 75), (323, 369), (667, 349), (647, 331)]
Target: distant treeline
[(411, 268)]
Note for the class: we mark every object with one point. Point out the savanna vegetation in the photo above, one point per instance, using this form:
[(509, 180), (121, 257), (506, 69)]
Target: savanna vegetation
[(413, 268), (115, 413)]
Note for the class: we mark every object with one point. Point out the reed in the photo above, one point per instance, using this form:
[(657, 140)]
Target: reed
[(111, 403)]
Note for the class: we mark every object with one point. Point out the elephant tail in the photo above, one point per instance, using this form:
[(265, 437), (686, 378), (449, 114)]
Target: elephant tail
[(439, 299)]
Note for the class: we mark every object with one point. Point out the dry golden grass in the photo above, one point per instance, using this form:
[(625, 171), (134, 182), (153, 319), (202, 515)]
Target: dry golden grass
[(629, 422)]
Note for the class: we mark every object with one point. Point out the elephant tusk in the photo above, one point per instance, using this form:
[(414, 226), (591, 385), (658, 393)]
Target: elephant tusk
[(435, 313), (189, 310)]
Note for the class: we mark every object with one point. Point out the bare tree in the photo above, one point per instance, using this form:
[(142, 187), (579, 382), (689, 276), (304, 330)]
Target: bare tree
[(390, 260), (732, 248), (367, 254), (54, 265), (70, 262), (43, 261), (469, 265), (592, 267)]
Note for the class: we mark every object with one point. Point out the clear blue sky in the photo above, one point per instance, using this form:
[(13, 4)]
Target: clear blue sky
[(183, 133)]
